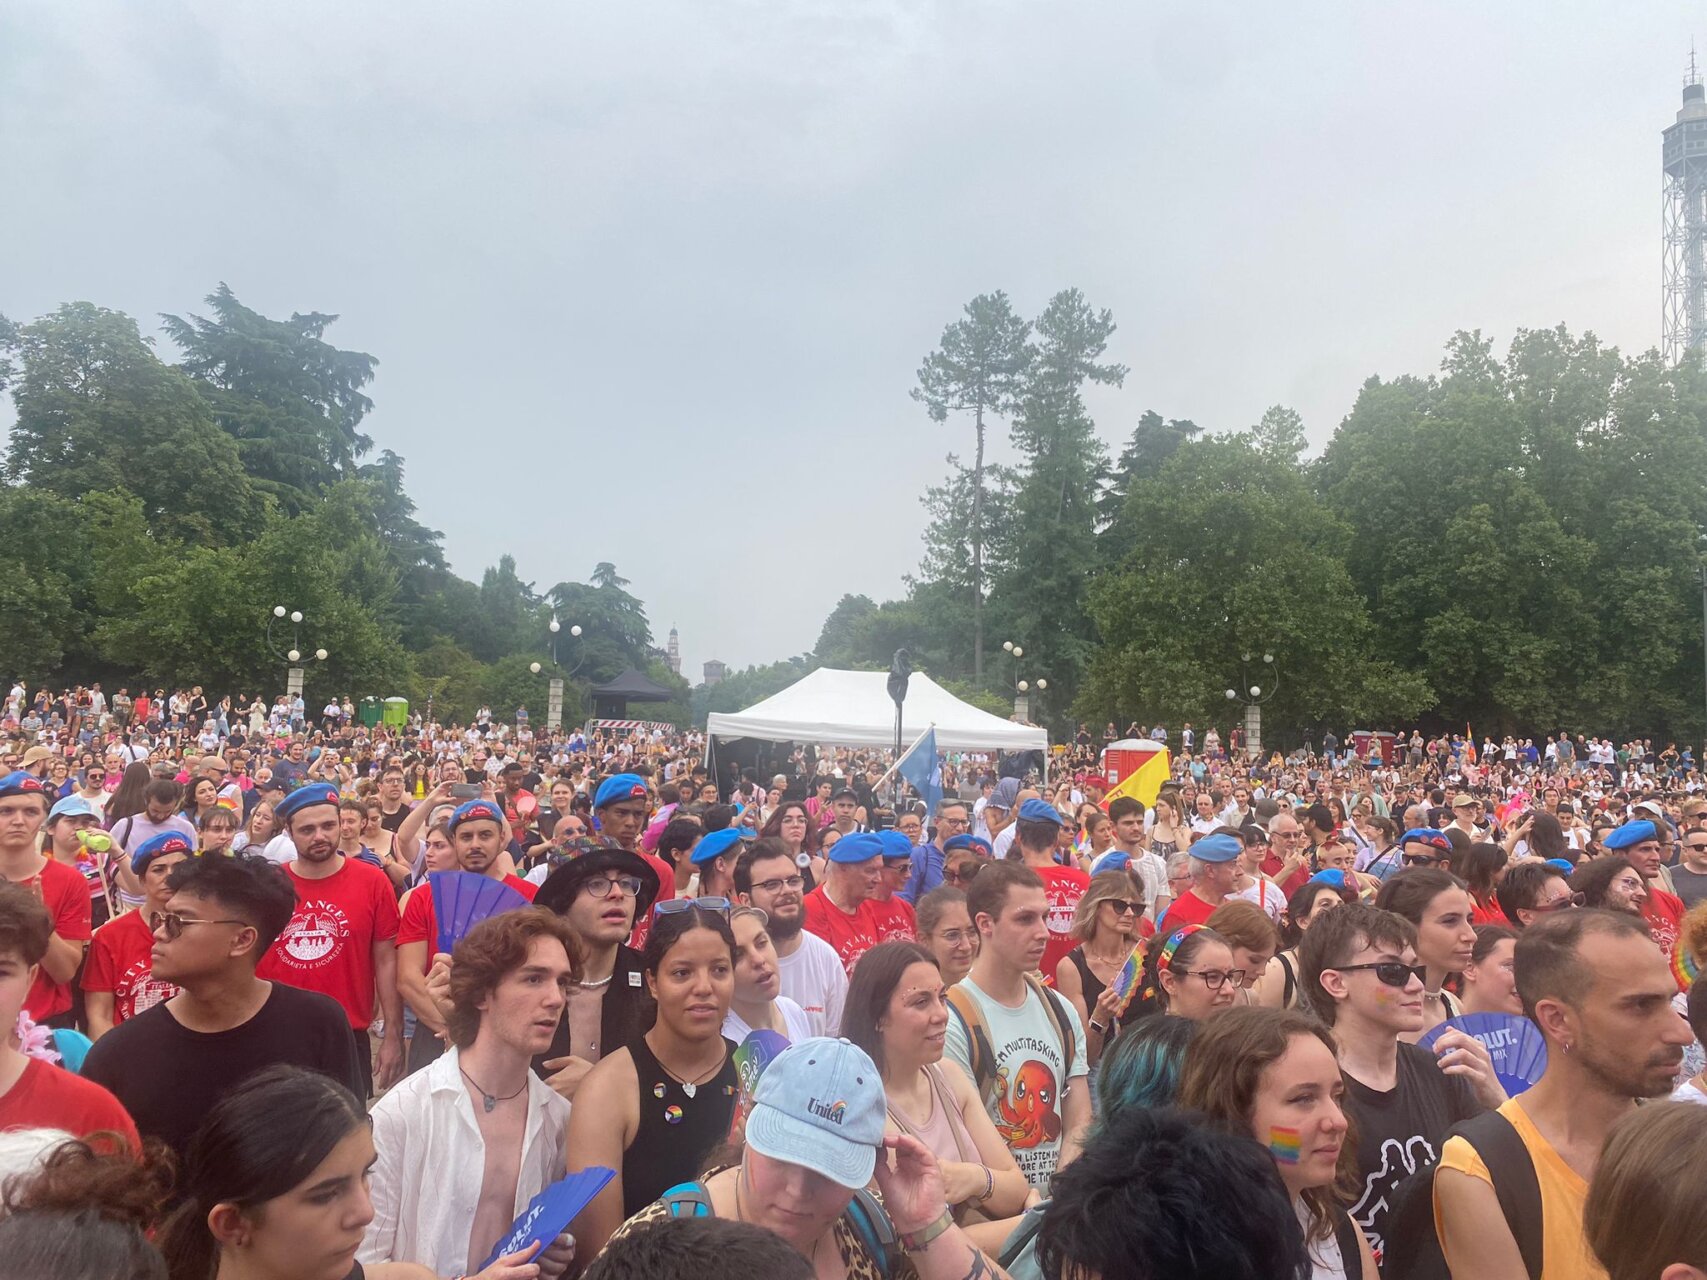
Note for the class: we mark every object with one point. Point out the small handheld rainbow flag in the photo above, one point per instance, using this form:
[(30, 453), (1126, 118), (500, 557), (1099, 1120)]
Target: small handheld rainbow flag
[(1285, 1145), (751, 1059), (1125, 982)]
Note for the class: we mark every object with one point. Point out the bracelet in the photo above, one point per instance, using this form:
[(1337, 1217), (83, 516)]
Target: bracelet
[(914, 1241), (989, 1184)]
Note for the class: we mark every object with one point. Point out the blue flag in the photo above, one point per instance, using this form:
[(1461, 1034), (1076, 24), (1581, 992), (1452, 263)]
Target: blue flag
[(923, 771)]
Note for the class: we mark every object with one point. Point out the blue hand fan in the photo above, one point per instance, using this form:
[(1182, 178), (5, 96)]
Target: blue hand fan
[(1516, 1045), (462, 900)]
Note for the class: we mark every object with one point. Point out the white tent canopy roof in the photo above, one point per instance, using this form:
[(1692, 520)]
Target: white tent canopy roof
[(853, 709)]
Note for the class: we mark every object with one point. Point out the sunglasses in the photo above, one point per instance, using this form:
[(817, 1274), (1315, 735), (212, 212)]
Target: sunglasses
[(675, 906), (1391, 973), (1423, 859), (1559, 904), (173, 925), (1122, 907)]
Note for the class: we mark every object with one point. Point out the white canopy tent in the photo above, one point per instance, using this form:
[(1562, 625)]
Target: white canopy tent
[(853, 709)]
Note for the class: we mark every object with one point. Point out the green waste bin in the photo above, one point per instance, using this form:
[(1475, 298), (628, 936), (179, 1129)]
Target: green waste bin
[(370, 711), (396, 713)]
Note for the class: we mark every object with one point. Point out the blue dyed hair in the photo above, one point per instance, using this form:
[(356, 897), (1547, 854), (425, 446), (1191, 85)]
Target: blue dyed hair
[(1143, 1067)]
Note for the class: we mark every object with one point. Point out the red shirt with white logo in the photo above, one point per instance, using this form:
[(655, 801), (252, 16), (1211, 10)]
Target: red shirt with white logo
[(421, 923), (849, 935), (1664, 913), (328, 944), (121, 960), (1063, 886), (895, 921), (65, 894)]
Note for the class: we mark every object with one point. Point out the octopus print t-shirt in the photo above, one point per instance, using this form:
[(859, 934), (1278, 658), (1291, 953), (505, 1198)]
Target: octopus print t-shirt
[(1024, 1096)]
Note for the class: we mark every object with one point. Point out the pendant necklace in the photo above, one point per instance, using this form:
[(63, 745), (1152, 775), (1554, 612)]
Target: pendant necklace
[(689, 1086), (490, 1101)]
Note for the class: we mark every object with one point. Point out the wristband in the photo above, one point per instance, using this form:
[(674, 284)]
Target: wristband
[(989, 1184), (914, 1241), (1100, 1028)]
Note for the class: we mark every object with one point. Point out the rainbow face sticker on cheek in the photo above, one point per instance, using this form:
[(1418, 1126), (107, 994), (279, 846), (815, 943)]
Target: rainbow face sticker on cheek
[(1284, 1144)]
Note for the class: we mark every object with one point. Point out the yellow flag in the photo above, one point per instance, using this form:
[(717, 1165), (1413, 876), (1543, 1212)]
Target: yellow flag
[(1145, 781)]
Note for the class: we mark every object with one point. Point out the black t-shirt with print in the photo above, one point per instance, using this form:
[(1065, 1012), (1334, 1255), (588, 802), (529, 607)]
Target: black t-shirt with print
[(1400, 1131)]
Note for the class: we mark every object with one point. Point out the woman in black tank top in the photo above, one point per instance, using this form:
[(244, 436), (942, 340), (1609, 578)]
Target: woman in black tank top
[(1106, 925), (657, 1108)]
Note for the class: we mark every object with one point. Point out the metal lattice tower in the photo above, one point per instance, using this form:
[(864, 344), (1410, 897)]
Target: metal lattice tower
[(1684, 227)]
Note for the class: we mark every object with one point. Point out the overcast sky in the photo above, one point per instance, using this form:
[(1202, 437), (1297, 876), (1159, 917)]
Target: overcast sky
[(649, 281)]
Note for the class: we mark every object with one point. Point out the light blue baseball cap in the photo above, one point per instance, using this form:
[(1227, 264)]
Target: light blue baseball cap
[(820, 1105)]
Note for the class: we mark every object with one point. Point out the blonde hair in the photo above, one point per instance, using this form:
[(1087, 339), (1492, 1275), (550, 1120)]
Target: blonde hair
[(1104, 885)]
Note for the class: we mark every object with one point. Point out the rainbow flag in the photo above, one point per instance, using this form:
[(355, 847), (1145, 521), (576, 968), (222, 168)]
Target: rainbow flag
[(1144, 782)]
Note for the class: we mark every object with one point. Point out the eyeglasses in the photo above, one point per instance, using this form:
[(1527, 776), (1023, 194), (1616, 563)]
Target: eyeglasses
[(962, 874), (954, 937), (1215, 979), (600, 886), (1122, 907), (1559, 904), (173, 925), (780, 883), (1423, 859), (675, 906), (1391, 973)]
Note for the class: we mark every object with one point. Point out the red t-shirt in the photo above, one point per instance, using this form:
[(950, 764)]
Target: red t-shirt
[(1186, 909), (420, 923), (328, 944), (65, 894), (666, 890), (851, 936), (1064, 886), (1487, 913), (1271, 866), (121, 960), (49, 1097), (894, 920), (1664, 913)]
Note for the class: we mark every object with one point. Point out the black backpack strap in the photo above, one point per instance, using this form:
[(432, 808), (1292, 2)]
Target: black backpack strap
[(1508, 1162), (1346, 1235)]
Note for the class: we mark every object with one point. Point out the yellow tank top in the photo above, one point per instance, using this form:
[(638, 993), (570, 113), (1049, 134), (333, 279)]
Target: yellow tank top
[(1564, 1249)]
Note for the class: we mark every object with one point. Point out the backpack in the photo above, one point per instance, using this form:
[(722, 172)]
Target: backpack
[(1413, 1249), (964, 1005), (870, 1223)]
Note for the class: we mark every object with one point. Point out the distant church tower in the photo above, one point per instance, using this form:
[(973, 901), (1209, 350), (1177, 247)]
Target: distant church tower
[(674, 653), (714, 672)]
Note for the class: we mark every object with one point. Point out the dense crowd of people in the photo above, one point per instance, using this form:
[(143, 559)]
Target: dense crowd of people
[(298, 997)]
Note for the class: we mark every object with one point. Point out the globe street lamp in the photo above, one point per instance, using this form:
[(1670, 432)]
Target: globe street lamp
[(554, 700), (1253, 703), (293, 655), (1022, 688)]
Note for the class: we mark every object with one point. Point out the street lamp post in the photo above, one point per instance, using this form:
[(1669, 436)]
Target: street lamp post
[(554, 701), (293, 655), (1022, 687), (1253, 703)]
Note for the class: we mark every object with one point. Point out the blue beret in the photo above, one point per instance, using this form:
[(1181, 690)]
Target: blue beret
[(1035, 810), (622, 786), (1113, 860), (967, 841), (154, 846), (860, 847), (474, 811), (20, 783), (1216, 849), (1426, 835), (305, 797), (716, 845), (1563, 866), (1333, 877), (895, 845), (1630, 833)]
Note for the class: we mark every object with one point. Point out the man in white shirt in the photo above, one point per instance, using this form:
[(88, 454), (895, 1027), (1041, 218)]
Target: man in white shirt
[(812, 974), (464, 1144)]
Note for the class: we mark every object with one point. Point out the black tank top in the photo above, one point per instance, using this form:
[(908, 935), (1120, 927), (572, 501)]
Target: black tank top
[(1094, 986), (676, 1132)]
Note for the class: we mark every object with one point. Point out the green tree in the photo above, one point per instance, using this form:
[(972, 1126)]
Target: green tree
[(1152, 443), (98, 410), (837, 639), (1063, 464), (1238, 558), (1280, 435), (741, 689), (979, 367), (293, 402)]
